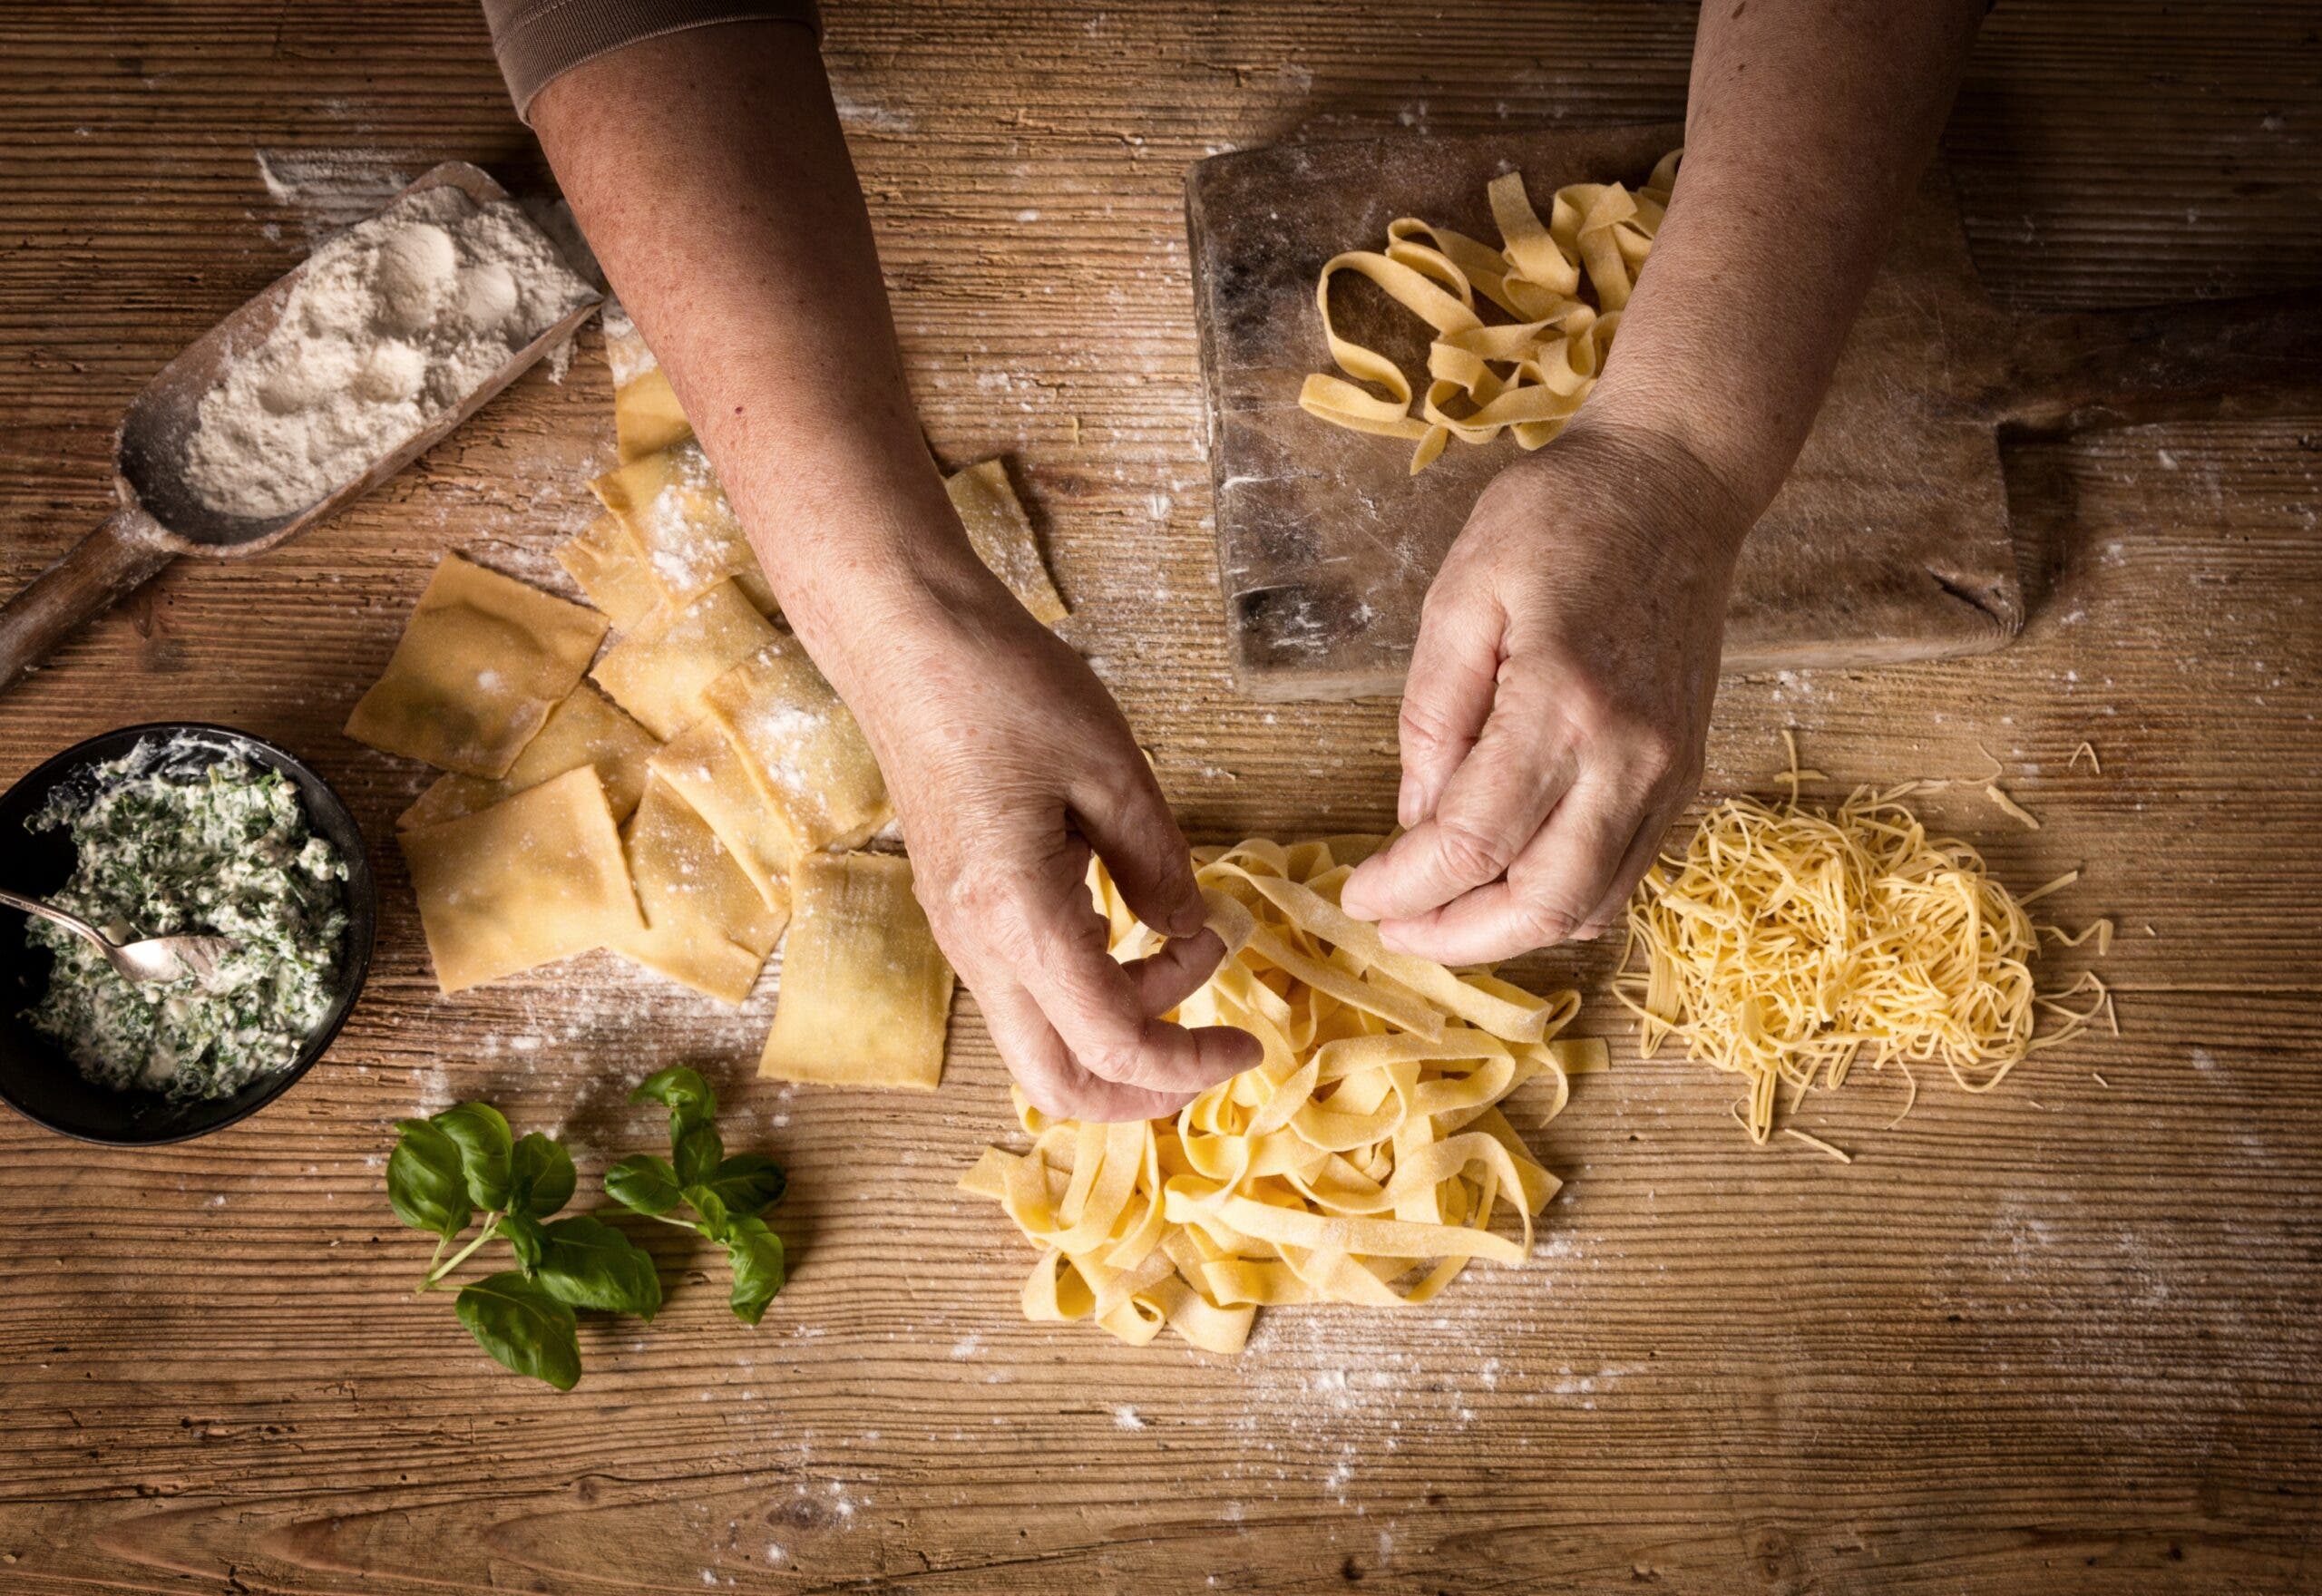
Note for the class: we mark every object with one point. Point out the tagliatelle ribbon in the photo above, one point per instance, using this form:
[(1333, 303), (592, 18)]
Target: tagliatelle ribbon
[(1527, 376), (1362, 1161)]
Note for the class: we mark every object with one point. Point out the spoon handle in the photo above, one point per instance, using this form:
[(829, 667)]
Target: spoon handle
[(96, 573), (70, 922)]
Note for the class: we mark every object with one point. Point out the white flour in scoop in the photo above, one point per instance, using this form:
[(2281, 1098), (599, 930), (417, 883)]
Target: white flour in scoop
[(393, 322)]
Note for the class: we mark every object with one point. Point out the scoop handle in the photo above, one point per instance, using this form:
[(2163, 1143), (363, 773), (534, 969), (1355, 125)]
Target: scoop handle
[(98, 572)]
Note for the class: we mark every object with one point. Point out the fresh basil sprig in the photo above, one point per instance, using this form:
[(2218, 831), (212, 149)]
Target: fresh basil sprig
[(465, 1158), (727, 1195), (445, 1169)]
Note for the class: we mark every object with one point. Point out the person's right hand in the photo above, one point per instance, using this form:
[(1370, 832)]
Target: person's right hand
[(1008, 763)]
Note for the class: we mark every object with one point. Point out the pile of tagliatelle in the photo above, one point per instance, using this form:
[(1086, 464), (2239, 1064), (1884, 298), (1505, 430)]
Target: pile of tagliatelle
[(1527, 376), (1363, 1162), (1786, 944)]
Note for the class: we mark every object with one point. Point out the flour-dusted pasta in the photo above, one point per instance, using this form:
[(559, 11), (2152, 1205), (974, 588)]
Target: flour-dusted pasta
[(801, 746), (1361, 1162), (683, 525), (1528, 376), (657, 671), (706, 924), (1002, 536), (604, 558), (584, 729), (472, 681), (703, 767), (865, 992), (646, 416), (533, 879)]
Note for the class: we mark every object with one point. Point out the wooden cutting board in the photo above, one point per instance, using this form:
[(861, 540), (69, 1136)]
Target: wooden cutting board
[(1890, 540)]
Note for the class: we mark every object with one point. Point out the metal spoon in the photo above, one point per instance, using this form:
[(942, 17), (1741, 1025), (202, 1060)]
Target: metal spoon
[(149, 959), (161, 519)]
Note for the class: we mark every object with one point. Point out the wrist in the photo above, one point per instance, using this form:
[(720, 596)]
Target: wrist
[(1680, 501)]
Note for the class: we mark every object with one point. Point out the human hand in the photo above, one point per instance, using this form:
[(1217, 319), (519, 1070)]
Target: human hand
[(1008, 762), (1558, 698)]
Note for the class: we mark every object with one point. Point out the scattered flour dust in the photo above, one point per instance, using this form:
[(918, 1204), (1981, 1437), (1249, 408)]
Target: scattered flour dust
[(390, 325), (1127, 1418)]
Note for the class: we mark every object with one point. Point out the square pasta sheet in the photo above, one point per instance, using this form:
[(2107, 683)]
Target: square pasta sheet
[(656, 672), (478, 669), (865, 992), (706, 924), (584, 729), (535, 878)]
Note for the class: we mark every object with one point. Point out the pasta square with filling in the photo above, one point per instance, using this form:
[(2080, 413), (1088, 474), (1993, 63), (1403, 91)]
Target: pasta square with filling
[(584, 729), (478, 668), (865, 992), (801, 746), (702, 766), (604, 558), (656, 672), (1002, 536), (706, 924), (646, 417), (683, 525), (533, 879)]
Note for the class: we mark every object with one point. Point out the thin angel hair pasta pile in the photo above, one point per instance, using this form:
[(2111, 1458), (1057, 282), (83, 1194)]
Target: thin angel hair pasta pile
[(1363, 1162), (1527, 376), (1787, 941)]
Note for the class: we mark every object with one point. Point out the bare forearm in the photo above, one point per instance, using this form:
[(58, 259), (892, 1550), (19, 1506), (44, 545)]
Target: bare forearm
[(1809, 124), (708, 170)]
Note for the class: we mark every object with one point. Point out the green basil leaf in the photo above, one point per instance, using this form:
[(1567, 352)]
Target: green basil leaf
[(755, 1254), (747, 1183), (525, 1234), (700, 1153), (715, 1220), (523, 1327), (645, 1184), (484, 1146), (590, 1264), (543, 1178), (426, 1184), (687, 1096)]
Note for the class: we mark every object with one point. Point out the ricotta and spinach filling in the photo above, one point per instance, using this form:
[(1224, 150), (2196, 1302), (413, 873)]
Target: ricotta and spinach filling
[(165, 849)]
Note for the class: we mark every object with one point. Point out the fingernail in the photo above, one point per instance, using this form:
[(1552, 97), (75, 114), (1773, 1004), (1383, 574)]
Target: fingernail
[(1407, 803)]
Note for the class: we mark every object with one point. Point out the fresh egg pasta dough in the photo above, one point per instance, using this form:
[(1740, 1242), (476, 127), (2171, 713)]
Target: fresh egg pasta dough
[(865, 992), (657, 671), (1787, 943), (706, 924), (646, 416), (536, 877), (604, 558), (1527, 375), (801, 746), (480, 665), (1001, 534), (1363, 1162), (584, 729), (684, 527), (702, 766)]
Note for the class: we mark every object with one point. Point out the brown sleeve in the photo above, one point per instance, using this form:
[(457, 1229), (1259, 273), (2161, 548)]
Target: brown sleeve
[(540, 40)]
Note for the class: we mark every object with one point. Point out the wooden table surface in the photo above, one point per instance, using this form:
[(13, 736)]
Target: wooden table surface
[(2060, 1337)]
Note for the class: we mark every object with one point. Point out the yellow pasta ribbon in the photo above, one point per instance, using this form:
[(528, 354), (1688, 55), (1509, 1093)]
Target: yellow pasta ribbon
[(1565, 281), (1363, 1160)]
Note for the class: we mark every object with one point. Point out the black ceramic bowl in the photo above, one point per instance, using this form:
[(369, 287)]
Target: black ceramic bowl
[(40, 1082)]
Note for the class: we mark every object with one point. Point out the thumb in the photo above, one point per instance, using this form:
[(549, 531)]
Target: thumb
[(1128, 823), (1448, 696)]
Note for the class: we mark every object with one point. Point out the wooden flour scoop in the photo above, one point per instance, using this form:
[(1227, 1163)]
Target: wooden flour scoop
[(161, 519), (1890, 540)]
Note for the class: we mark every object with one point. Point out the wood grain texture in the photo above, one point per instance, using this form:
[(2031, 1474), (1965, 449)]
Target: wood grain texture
[(2056, 1338)]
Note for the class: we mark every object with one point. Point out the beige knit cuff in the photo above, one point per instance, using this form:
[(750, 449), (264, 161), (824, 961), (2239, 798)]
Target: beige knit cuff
[(538, 40)]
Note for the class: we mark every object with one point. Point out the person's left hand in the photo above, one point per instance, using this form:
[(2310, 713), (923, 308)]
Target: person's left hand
[(1558, 698)]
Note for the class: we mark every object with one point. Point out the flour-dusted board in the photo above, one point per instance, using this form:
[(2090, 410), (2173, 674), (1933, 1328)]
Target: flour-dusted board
[(1890, 540)]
